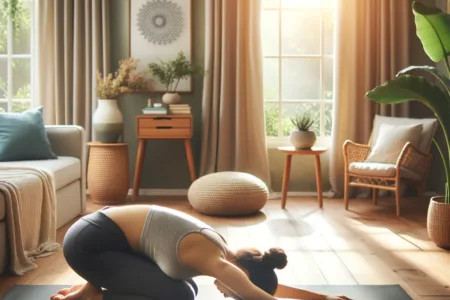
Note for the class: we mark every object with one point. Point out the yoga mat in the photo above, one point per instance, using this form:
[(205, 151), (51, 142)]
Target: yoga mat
[(356, 292)]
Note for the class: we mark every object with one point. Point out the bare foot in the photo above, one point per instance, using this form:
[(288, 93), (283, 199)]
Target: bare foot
[(79, 292)]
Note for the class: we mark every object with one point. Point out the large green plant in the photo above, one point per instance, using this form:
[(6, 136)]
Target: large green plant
[(433, 30), (171, 72)]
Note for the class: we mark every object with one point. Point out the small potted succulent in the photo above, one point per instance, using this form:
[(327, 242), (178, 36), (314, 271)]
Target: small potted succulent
[(302, 137)]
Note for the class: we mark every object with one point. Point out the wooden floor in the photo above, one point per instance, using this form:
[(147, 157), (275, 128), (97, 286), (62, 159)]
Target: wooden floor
[(366, 245)]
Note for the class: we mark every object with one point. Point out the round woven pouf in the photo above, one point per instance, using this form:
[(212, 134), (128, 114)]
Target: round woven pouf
[(108, 175), (228, 194)]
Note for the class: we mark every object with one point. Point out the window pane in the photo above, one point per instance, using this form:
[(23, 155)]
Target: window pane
[(3, 78), (3, 35), (22, 38), (270, 3), (21, 78), (271, 117), (270, 32), (293, 110), (301, 32), (328, 117), (328, 78), (271, 75), (20, 106), (3, 107), (301, 79), (301, 3), (328, 31)]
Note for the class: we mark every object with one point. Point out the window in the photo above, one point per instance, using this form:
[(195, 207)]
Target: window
[(15, 57), (297, 37)]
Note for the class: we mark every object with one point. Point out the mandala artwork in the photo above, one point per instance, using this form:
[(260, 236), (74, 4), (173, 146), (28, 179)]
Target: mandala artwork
[(160, 22)]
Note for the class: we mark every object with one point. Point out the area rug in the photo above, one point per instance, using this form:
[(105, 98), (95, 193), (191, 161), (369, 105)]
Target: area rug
[(208, 292)]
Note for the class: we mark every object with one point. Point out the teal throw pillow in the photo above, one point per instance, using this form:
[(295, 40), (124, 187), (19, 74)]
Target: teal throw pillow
[(23, 136)]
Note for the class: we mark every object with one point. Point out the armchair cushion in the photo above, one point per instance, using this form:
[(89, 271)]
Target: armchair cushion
[(429, 129), (390, 141), (380, 170)]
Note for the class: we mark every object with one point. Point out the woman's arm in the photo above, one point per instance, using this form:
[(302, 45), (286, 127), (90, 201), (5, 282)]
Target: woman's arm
[(295, 293), (236, 280), (285, 291)]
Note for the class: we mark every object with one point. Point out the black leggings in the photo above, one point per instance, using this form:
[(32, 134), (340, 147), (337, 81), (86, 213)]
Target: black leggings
[(97, 250)]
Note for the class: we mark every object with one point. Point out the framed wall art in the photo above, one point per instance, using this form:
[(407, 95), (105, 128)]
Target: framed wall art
[(160, 29)]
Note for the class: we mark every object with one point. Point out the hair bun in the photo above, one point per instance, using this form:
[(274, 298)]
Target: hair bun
[(275, 258)]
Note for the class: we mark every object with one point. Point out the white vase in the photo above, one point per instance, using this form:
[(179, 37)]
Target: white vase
[(303, 139), (171, 98), (107, 121)]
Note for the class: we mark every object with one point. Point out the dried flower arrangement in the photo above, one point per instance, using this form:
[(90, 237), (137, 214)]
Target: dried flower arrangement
[(126, 79)]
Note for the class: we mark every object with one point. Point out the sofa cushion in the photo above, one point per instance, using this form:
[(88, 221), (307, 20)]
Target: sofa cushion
[(20, 130), (380, 170), (66, 169)]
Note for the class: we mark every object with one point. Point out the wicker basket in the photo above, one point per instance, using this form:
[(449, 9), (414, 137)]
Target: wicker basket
[(108, 173), (438, 222)]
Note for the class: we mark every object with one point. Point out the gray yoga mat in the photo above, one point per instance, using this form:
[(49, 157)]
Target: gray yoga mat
[(356, 292)]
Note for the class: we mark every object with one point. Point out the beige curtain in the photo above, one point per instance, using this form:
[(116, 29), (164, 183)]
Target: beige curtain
[(372, 45), (72, 43), (233, 114)]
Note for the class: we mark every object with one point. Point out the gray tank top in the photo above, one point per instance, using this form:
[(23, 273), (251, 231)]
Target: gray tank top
[(163, 230)]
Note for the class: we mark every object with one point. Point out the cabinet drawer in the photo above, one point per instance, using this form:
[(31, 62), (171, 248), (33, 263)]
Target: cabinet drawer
[(165, 133), (164, 121)]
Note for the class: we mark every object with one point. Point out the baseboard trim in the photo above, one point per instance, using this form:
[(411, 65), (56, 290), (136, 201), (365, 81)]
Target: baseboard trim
[(273, 195)]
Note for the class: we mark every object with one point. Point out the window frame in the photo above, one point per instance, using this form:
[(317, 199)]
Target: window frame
[(280, 140), (10, 56)]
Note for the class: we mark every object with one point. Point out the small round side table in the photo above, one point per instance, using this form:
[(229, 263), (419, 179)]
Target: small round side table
[(108, 175), (290, 151)]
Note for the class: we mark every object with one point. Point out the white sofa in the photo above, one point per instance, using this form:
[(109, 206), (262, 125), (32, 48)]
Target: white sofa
[(68, 143)]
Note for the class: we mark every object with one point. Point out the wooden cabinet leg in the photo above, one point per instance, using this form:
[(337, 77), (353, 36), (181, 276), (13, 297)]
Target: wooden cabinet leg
[(190, 158), (318, 179), (138, 167), (286, 175)]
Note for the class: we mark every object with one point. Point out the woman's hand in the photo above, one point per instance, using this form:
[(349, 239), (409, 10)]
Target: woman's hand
[(337, 298)]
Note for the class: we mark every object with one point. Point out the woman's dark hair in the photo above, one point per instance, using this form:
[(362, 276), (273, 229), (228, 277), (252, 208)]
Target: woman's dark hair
[(260, 266)]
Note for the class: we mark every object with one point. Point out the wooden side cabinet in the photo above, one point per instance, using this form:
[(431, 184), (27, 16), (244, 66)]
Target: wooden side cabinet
[(162, 127)]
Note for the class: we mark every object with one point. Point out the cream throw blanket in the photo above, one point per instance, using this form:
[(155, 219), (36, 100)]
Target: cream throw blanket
[(30, 197)]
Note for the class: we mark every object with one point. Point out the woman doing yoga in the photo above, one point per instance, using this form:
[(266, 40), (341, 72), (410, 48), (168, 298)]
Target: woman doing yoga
[(148, 252)]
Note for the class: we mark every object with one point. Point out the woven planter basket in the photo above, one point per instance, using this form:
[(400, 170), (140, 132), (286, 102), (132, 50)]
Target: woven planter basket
[(228, 194), (438, 222)]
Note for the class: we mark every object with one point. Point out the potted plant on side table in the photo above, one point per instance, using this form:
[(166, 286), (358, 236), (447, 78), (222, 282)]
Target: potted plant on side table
[(302, 137), (170, 72), (433, 30)]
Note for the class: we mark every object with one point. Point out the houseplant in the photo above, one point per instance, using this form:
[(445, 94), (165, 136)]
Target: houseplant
[(107, 120), (170, 72), (302, 137), (433, 30)]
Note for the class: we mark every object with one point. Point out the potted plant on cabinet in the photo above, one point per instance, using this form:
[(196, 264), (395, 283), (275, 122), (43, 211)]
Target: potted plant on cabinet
[(433, 30), (107, 120), (302, 137), (170, 72)]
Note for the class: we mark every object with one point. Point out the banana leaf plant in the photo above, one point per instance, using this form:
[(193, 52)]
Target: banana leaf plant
[(433, 30)]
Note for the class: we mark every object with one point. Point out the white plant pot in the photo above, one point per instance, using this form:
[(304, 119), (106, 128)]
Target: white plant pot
[(107, 121), (171, 98), (302, 139)]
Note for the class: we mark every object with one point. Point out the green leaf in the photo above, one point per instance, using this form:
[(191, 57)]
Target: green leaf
[(441, 78), (433, 30)]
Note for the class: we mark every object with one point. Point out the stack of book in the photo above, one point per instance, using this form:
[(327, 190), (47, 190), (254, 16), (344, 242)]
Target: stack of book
[(154, 111), (179, 109)]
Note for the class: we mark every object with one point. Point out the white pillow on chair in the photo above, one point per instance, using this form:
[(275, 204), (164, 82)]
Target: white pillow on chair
[(390, 141)]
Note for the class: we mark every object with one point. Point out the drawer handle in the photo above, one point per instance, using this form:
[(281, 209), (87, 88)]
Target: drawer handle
[(162, 118), (163, 127)]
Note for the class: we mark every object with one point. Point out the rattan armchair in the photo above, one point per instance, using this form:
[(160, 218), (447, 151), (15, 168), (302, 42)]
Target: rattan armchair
[(411, 167)]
